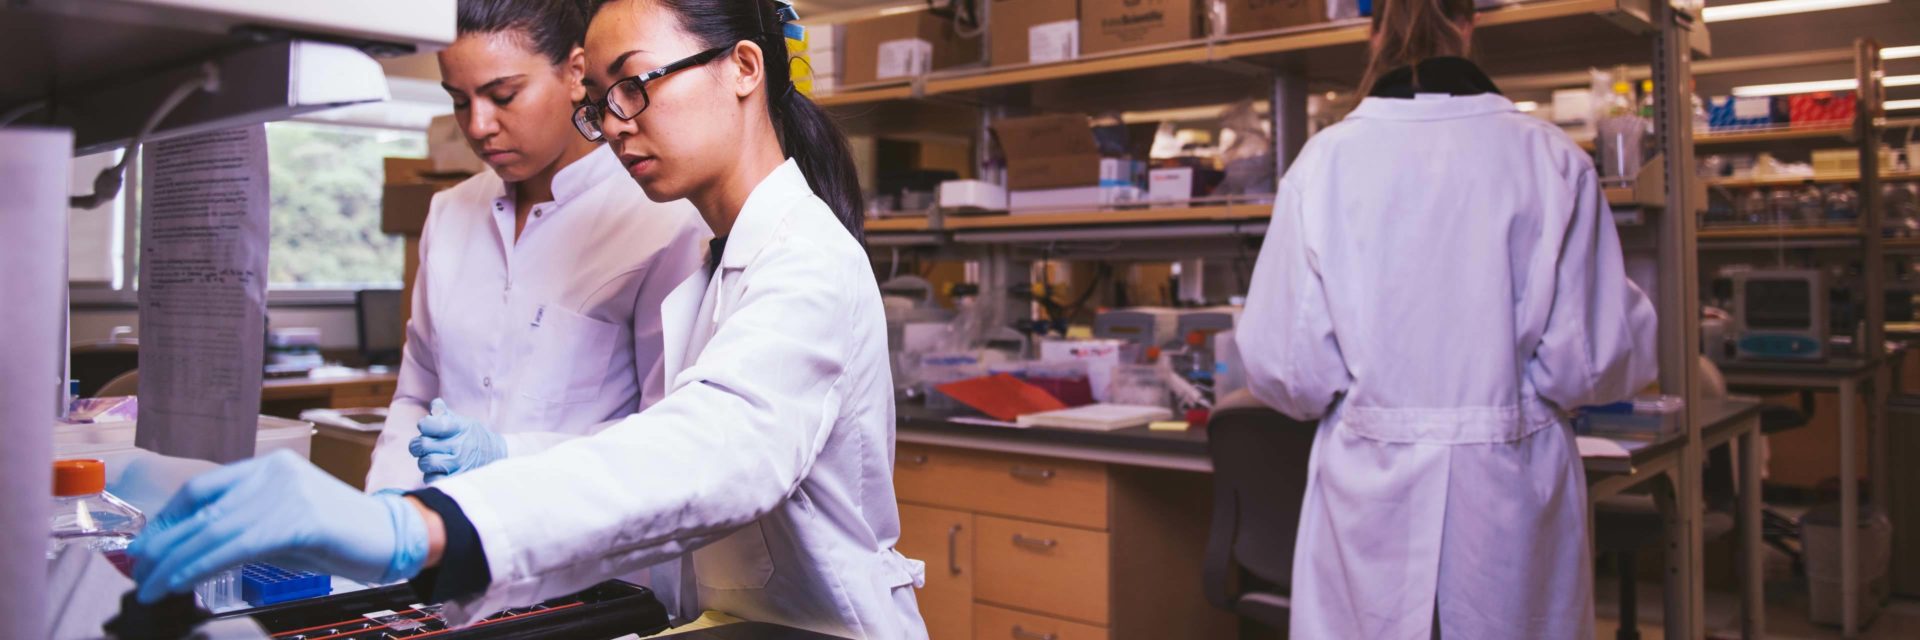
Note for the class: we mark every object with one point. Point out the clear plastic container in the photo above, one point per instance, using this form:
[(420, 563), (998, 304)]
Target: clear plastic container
[(85, 514)]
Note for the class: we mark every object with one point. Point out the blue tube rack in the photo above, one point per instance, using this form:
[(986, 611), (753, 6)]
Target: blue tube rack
[(263, 584)]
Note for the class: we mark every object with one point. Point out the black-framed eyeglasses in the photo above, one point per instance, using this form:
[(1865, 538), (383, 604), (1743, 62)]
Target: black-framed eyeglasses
[(627, 98)]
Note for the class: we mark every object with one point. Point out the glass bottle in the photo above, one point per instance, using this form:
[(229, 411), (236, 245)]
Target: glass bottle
[(1782, 205), (1752, 207), (1810, 205), (1843, 204), (85, 514)]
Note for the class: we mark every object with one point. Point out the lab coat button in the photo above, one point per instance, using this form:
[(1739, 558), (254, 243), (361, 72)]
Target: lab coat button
[(487, 382)]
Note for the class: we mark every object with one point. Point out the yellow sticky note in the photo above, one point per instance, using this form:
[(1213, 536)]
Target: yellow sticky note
[(1168, 425), (1079, 332)]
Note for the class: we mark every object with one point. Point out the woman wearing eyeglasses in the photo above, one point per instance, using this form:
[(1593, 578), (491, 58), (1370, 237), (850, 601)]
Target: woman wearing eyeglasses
[(536, 308), (769, 462)]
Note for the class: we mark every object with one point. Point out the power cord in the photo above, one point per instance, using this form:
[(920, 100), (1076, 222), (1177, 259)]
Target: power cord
[(106, 186)]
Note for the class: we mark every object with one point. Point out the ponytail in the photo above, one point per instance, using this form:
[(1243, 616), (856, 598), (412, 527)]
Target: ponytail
[(807, 134), (812, 138), (1407, 32)]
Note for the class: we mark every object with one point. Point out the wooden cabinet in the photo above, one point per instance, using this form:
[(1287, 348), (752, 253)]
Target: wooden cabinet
[(995, 623), (1055, 549), (944, 540)]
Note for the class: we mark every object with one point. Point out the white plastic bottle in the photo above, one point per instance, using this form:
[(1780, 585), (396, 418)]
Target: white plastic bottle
[(85, 514)]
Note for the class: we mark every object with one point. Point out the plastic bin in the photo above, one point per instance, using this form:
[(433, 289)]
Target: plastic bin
[(1820, 544), (112, 442)]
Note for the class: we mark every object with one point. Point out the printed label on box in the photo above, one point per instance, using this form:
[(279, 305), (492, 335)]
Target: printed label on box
[(904, 57), (1752, 108), (1053, 41)]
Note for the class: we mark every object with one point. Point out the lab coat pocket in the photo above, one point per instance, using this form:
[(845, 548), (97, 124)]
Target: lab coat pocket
[(738, 561), (568, 355)]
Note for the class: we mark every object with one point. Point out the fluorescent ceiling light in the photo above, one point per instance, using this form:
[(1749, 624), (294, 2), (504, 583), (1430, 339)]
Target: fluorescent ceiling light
[(1769, 8), (1787, 88), (1903, 105), (1898, 53)]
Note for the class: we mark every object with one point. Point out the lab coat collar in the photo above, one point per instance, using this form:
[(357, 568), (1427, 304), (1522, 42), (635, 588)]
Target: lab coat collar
[(1433, 107), (572, 180), (760, 217)]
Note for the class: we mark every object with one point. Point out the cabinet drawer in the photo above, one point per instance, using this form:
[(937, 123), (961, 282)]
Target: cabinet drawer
[(995, 623), (1037, 567), (1066, 492), (944, 540)]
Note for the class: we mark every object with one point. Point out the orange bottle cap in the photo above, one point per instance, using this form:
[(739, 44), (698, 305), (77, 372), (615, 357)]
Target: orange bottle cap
[(79, 477)]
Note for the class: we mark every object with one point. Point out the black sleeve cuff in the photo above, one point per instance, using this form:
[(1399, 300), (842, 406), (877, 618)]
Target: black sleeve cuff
[(463, 571)]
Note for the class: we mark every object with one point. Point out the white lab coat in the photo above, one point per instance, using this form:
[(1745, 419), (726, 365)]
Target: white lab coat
[(547, 338), (1441, 281), (770, 459)]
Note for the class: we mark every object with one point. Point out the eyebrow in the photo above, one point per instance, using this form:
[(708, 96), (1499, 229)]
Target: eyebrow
[(489, 85), (620, 61)]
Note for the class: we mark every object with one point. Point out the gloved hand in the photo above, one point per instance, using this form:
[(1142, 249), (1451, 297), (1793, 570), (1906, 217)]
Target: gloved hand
[(278, 509), (451, 443)]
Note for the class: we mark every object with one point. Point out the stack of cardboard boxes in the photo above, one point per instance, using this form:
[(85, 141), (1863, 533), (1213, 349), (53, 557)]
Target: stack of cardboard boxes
[(1043, 31)]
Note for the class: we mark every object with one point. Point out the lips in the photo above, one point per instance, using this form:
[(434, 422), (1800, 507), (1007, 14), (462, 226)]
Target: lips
[(495, 156), (638, 164)]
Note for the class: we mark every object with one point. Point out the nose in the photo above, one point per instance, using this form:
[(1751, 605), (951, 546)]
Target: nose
[(482, 122), (613, 128)]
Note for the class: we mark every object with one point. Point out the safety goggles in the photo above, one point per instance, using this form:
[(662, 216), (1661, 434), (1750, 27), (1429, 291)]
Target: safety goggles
[(627, 98)]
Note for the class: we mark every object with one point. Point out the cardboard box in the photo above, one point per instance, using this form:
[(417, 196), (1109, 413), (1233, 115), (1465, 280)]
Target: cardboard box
[(1048, 152), (862, 40), (1245, 16), (1011, 22), (411, 183), (1113, 25)]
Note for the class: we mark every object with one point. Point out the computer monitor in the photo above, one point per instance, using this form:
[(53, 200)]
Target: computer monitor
[(383, 332)]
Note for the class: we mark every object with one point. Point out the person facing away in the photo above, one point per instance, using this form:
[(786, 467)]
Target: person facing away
[(1441, 283)]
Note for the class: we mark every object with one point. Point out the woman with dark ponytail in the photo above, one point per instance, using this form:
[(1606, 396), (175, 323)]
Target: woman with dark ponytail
[(1440, 285), (768, 465)]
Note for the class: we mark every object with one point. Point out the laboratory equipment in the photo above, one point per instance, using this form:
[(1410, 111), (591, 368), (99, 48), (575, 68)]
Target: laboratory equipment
[(1143, 326), (1901, 202), (1810, 204), (1782, 206), (1209, 321), (380, 315), (262, 584), (293, 351), (1140, 385), (1752, 208), (1621, 134), (85, 514), (1097, 357), (221, 592), (1065, 380), (972, 195), (1842, 204), (1780, 314)]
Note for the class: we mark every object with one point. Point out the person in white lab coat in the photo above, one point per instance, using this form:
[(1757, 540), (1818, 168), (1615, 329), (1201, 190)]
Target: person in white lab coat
[(769, 462), (1441, 283), (536, 306)]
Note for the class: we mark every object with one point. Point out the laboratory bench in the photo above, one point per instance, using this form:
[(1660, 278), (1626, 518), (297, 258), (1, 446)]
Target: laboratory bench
[(287, 397), (1101, 534)]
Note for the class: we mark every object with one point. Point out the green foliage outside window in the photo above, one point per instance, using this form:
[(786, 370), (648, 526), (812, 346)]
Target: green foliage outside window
[(326, 205)]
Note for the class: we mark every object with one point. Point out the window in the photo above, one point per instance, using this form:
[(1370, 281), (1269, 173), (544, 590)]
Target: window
[(326, 183)]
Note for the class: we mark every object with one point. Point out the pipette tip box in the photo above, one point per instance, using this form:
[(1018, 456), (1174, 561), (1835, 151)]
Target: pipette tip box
[(264, 584)]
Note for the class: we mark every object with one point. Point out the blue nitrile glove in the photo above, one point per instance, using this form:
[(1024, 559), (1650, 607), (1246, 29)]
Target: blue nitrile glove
[(282, 510), (451, 443)]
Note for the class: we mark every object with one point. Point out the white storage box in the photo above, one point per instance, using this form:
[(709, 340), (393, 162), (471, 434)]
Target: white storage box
[(972, 195), (112, 442)]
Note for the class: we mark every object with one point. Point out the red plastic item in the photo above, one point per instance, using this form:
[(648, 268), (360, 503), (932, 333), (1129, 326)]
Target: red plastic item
[(1825, 107), (1197, 417), (1001, 396)]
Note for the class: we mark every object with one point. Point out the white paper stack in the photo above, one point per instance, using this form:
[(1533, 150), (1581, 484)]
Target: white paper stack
[(1097, 417)]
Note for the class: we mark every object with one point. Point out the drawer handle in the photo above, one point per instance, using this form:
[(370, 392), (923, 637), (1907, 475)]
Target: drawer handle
[(1023, 634), (953, 550), (1035, 543), (1041, 475), (918, 460)]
